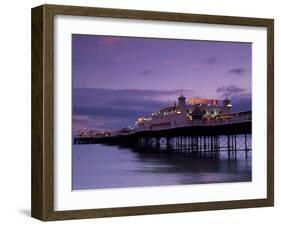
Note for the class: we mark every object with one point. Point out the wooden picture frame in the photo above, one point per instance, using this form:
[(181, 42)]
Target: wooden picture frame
[(43, 112)]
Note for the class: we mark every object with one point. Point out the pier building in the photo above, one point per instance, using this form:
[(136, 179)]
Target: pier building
[(188, 112)]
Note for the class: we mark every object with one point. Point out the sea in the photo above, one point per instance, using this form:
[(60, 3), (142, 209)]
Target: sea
[(99, 166)]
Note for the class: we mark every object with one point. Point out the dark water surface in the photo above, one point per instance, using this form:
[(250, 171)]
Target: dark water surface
[(100, 166)]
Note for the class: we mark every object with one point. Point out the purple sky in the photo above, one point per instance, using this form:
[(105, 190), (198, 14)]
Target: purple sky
[(116, 79)]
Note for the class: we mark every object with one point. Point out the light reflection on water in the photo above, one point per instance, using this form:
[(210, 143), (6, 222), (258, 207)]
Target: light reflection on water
[(100, 166)]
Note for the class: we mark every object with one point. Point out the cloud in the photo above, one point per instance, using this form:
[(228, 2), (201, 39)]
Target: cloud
[(211, 60), (117, 108), (104, 96), (207, 63), (237, 71), (230, 91), (97, 123), (241, 99), (242, 102), (146, 72)]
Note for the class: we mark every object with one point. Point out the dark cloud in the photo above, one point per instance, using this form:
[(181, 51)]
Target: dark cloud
[(230, 91), (146, 72), (237, 71), (211, 60), (240, 99), (97, 123), (117, 107), (104, 96), (242, 102)]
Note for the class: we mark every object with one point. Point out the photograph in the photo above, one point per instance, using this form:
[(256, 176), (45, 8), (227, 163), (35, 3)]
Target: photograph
[(160, 112), (138, 112)]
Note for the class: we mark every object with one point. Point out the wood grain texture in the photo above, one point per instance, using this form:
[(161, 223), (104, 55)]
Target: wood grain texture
[(37, 158), (43, 108), (42, 113), (270, 111)]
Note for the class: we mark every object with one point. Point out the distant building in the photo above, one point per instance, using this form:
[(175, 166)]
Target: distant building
[(181, 114), (91, 133)]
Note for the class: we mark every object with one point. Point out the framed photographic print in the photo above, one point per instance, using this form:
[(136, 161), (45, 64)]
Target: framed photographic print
[(141, 112)]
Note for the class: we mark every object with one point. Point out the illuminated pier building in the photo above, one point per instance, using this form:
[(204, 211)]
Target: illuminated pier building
[(193, 111), (198, 126)]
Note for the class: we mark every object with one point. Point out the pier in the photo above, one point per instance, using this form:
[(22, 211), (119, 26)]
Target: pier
[(197, 139), (199, 127)]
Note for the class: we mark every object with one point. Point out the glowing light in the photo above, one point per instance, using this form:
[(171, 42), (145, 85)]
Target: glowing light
[(198, 100)]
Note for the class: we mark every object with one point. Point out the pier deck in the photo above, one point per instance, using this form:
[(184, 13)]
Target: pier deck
[(230, 137)]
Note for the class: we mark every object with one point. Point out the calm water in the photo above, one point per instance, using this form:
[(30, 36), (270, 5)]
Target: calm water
[(100, 166)]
